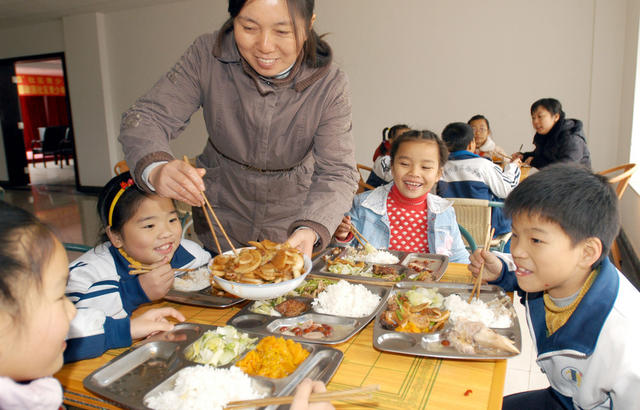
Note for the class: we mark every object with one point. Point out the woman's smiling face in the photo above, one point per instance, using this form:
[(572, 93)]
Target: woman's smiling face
[(266, 38)]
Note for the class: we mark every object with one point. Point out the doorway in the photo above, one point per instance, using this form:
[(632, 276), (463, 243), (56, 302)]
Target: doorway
[(43, 145)]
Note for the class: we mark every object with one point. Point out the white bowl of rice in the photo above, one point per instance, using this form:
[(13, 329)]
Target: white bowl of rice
[(266, 290), (346, 299)]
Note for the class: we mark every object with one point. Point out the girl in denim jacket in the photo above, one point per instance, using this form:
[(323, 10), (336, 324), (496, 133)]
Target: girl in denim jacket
[(403, 215)]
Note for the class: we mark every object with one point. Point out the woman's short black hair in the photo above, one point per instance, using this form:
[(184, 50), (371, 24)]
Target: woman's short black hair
[(457, 136), (479, 117), (316, 51), (126, 205), (550, 104), (424, 135), (584, 204), (26, 247)]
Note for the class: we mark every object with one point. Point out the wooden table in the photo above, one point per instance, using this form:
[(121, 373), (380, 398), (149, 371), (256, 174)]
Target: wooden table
[(406, 382)]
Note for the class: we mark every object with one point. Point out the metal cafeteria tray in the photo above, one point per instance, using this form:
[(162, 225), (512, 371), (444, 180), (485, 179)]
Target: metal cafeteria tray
[(430, 344), (438, 264), (149, 369), (202, 297), (343, 327)]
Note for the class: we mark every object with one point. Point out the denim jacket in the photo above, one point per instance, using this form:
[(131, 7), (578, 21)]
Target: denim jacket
[(369, 215)]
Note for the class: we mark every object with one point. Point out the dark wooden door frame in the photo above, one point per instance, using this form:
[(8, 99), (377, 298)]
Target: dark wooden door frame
[(15, 151)]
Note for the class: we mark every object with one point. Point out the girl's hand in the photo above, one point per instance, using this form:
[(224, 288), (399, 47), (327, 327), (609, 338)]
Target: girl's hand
[(157, 282), (154, 321), (303, 239), (301, 398), (179, 180), (343, 229), (492, 264)]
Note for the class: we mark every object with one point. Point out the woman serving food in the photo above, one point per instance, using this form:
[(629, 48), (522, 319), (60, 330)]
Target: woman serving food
[(279, 161)]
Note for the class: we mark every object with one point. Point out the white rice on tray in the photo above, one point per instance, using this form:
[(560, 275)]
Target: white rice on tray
[(496, 316), (205, 387), (381, 256), (192, 281), (345, 299)]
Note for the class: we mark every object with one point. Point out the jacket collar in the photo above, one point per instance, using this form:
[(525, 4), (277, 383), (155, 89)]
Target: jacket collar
[(300, 77), (376, 201), (581, 331), (463, 154)]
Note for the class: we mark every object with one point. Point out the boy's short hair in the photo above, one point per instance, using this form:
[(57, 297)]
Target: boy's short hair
[(584, 204), (457, 136)]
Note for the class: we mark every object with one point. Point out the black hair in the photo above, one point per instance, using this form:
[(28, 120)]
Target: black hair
[(126, 205), (550, 104), (457, 136), (316, 51), (584, 204), (479, 117), (389, 133), (26, 247), (424, 135)]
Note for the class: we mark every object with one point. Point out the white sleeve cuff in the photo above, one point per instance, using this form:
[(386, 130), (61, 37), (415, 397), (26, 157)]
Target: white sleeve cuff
[(147, 172)]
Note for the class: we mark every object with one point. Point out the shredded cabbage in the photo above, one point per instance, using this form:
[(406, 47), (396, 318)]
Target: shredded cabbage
[(419, 296), (219, 347)]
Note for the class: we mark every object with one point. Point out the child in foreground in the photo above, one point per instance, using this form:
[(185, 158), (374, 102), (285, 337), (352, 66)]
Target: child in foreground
[(140, 228), (467, 175), (403, 215), (582, 312)]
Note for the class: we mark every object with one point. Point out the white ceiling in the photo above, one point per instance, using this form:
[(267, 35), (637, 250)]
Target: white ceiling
[(22, 12)]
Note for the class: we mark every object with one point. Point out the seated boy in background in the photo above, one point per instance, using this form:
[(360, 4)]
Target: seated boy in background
[(581, 311), (467, 175)]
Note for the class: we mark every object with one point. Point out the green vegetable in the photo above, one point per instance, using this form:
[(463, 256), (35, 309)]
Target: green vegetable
[(419, 296), (219, 347)]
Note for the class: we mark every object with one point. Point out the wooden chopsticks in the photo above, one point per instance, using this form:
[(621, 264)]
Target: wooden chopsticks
[(478, 282), (139, 269), (346, 395), (359, 236), (206, 206)]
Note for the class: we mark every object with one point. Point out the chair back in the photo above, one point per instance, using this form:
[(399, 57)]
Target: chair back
[(120, 167), (474, 215), (362, 185), (52, 138), (620, 175)]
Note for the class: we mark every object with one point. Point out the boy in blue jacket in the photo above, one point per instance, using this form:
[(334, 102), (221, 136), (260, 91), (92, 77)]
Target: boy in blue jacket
[(581, 311)]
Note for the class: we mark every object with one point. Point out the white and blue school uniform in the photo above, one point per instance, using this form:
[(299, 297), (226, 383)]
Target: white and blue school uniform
[(593, 360), (105, 295), (468, 175)]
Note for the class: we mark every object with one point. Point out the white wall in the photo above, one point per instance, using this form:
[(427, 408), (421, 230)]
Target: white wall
[(423, 62)]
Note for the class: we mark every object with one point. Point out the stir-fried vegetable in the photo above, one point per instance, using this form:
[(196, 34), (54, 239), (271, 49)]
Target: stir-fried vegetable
[(421, 296), (219, 347)]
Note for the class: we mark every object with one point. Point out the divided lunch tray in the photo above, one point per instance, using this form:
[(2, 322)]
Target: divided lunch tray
[(430, 344), (150, 368), (202, 297), (344, 327), (437, 263)]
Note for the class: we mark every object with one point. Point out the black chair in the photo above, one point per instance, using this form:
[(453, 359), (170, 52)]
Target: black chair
[(50, 144)]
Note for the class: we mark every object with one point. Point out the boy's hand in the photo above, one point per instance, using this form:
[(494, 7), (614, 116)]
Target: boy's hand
[(342, 231), (492, 264), (153, 321), (157, 282), (517, 155), (301, 398)]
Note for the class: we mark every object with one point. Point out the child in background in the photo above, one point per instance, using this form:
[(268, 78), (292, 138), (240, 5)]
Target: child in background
[(140, 228), (485, 145), (381, 170), (403, 215), (467, 175), (35, 313), (582, 312)]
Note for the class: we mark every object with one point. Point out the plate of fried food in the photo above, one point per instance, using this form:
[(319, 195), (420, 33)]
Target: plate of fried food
[(264, 270)]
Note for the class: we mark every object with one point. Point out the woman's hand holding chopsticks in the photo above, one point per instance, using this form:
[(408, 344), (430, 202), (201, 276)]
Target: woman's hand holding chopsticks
[(179, 180)]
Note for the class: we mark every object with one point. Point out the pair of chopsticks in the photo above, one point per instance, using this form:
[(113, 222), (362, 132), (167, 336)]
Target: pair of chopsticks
[(208, 206), (139, 269), (346, 395), (478, 282), (359, 236)]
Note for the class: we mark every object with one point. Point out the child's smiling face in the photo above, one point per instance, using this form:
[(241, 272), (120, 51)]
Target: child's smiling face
[(546, 259), (33, 348), (416, 167), (152, 234)]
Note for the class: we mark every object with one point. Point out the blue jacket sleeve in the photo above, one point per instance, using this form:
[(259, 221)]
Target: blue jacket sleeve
[(507, 279), (116, 334), (132, 294)]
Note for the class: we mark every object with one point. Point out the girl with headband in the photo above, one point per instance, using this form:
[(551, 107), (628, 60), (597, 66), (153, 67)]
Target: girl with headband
[(139, 229)]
